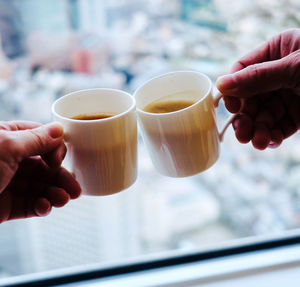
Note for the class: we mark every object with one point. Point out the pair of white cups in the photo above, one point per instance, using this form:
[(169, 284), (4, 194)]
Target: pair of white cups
[(102, 154)]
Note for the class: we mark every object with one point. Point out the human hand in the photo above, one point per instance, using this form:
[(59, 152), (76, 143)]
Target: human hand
[(31, 178), (268, 79)]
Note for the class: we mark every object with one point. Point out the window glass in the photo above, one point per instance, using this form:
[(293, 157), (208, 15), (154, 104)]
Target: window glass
[(50, 48)]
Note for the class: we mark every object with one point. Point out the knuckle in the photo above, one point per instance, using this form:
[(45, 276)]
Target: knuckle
[(291, 31), (38, 139), (293, 70), (6, 141), (9, 150), (9, 126), (254, 71)]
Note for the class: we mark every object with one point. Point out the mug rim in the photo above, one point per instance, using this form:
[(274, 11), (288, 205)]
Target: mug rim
[(168, 74), (132, 106)]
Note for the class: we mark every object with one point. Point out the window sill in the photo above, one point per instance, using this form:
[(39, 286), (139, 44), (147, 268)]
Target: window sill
[(263, 262)]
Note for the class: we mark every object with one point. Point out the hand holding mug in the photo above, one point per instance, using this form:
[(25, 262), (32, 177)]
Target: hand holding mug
[(31, 178), (268, 80)]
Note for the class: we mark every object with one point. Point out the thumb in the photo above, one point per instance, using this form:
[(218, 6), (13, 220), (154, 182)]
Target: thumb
[(38, 141), (259, 78)]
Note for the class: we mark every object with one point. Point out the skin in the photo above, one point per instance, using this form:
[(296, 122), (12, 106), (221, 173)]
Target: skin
[(32, 180), (268, 79)]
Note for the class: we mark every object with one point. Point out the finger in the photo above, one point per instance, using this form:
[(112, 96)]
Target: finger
[(42, 207), (251, 107), (35, 170), (261, 138), (27, 199), (287, 126), (276, 107), (38, 141), (287, 97), (58, 197), (258, 55), (55, 157), (265, 118), (18, 125), (256, 79), (243, 126), (232, 104), (31, 197), (5, 206), (276, 138), (277, 47), (65, 180), (294, 110)]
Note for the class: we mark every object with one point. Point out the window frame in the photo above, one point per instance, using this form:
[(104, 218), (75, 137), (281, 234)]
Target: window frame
[(154, 262)]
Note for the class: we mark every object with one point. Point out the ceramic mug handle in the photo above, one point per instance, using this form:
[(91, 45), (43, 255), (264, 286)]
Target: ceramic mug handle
[(217, 99)]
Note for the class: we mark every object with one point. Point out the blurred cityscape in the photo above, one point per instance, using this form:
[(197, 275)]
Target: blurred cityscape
[(50, 48)]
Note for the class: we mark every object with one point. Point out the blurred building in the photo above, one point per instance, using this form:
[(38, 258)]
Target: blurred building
[(88, 230), (10, 29)]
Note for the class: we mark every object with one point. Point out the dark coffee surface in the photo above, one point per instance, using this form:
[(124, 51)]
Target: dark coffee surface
[(167, 106), (89, 117)]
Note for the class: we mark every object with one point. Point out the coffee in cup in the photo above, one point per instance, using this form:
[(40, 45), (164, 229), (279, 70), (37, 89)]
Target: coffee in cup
[(170, 103), (90, 117)]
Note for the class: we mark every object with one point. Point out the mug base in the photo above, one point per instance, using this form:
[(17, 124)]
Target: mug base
[(179, 173), (99, 192)]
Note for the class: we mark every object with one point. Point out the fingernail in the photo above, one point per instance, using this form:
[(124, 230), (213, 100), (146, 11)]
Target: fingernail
[(235, 123), (42, 207), (55, 130), (225, 83)]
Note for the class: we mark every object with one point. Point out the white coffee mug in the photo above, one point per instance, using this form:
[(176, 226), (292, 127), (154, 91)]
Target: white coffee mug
[(101, 153), (184, 142)]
